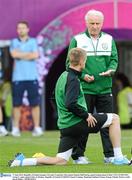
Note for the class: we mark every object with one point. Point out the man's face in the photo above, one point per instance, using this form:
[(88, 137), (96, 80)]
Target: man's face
[(94, 25), (22, 30)]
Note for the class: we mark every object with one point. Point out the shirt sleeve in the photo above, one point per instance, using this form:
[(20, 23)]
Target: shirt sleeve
[(73, 44), (114, 57), (34, 45), (12, 45), (72, 93)]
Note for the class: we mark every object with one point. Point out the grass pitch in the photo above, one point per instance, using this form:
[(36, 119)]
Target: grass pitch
[(48, 144)]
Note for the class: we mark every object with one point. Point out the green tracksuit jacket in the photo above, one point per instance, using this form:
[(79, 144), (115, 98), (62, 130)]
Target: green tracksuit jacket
[(99, 59)]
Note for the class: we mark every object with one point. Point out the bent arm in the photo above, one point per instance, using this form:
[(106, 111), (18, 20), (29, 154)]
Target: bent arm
[(16, 54)]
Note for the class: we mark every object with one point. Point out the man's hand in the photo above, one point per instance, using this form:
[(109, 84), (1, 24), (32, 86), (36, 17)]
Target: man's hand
[(91, 121), (88, 78), (107, 73)]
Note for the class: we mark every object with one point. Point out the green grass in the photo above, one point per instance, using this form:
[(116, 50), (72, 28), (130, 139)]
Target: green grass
[(48, 144)]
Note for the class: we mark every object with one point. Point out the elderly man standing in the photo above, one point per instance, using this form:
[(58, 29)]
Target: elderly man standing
[(96, 79)]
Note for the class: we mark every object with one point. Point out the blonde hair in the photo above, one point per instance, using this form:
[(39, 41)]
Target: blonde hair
[(75, 55), (95, 13)]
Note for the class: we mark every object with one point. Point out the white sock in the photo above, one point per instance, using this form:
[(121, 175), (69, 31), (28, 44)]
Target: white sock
[(29, 162), (37, 128), (15, 129), (118, 153), (2, 127), (25, 162)]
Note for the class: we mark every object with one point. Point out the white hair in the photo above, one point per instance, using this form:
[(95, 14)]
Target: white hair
[(95, 13)]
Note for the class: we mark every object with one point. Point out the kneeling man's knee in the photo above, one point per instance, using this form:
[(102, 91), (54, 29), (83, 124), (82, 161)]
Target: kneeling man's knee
[(116, 118)]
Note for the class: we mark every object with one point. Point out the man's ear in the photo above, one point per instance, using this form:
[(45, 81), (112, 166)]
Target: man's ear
[(86, 23), (80, 64)]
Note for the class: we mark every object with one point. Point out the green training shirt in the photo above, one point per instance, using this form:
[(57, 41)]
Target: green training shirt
[(100, 58), (71, 105)]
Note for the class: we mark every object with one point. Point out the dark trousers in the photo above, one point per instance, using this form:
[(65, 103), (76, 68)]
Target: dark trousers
[(102, 103)]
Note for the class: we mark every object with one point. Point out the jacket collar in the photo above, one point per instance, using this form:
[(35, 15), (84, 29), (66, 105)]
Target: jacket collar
[(78, 73)]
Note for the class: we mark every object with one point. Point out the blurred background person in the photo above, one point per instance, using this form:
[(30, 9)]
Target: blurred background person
[(5, 107), (3, 131), (5, 100), (124, 100), (24, 51)]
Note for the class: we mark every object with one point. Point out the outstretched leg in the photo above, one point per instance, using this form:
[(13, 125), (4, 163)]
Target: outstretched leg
[(115, 136), (38, 161)]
